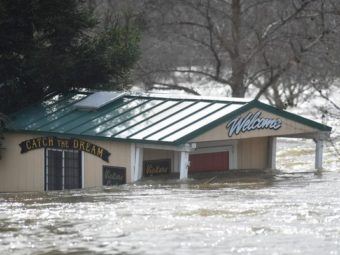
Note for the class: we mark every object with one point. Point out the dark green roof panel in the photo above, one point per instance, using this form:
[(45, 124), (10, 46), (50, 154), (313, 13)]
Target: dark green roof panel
[(137, 117)]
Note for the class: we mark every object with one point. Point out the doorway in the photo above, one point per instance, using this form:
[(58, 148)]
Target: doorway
[(209, 162)]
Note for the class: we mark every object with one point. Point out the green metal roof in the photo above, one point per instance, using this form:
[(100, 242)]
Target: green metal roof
[(143, 118)]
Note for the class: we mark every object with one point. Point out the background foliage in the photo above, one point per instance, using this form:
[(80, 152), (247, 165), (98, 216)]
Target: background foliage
[(283, 51), (49, 46)]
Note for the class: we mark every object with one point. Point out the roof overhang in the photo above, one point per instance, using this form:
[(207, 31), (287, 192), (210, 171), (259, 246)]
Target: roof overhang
[(304, 128), (143, 119)]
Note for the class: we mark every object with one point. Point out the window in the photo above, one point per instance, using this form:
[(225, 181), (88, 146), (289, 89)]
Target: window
[(63, 169)]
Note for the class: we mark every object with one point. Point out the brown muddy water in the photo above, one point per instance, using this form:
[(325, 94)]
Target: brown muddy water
[(294, 211)]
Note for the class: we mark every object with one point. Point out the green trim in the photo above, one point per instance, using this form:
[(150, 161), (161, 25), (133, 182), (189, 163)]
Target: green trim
[(292, 116), (136, 124), (134, 116), (172, 114), (247, 107), (191, 123)]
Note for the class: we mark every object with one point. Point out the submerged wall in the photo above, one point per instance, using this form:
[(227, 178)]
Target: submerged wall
[(156, 154), (25, 172), (93, 166), (21, 172), (252, 153)]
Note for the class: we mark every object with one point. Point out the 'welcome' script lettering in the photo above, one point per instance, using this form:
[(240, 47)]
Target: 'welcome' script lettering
[(250, 122)]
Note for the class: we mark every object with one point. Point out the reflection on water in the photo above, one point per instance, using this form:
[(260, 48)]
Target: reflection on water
[(289, 212)]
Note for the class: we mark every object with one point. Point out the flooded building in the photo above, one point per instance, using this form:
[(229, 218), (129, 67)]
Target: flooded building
[(93, 139)]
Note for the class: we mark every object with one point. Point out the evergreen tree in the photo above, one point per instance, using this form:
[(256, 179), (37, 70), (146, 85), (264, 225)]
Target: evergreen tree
[(3, 120), (51, 46)]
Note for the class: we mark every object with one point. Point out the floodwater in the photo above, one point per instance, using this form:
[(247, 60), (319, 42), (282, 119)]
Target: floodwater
[(294, 211)]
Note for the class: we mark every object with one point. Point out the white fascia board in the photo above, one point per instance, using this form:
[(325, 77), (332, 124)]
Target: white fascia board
[(185, 147)]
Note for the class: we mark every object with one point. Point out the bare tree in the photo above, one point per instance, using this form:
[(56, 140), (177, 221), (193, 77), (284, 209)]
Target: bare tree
[(274, 47), (270, 48)]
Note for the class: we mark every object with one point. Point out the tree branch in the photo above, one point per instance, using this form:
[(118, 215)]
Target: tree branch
[(275, 26), (174, 86), (336, 106), (218, 79)]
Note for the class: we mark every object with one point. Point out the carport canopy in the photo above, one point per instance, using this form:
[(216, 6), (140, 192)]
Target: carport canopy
[(162, 121)]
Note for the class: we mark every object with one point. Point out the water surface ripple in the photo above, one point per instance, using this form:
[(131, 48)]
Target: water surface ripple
[(292, 213)]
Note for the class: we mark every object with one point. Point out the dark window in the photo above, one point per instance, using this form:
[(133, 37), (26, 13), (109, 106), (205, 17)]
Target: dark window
[(72, 166), (63, 169), (54, 167)]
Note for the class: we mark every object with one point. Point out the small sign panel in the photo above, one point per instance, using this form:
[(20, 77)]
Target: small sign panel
[(252, 121), (156, 167), (64, 144), (114, 175)]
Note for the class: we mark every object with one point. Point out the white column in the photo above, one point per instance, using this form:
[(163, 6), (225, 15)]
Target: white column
[(184, 165), (233, 164), (318, 154), (138, 169), (272, 153)]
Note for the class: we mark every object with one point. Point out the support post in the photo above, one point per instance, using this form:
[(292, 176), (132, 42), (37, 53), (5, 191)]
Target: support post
[(138, 169), (318, 154), (272, 153), (184, 165)]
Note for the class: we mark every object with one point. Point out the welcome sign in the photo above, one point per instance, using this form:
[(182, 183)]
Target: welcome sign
[(156, 167), (114, 175), (251, 122), (64, 144)]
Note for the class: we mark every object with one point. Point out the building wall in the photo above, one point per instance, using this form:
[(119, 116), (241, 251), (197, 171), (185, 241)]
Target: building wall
[(93, 166), (25, 172), (252, 153), (151, 154), (288, 127), (218, 146), (21, 172), (236, 153)]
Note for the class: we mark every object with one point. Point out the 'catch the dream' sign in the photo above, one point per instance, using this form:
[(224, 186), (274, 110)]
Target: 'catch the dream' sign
[(252, 121)]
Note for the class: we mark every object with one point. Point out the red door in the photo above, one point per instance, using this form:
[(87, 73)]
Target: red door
[(210, 162)]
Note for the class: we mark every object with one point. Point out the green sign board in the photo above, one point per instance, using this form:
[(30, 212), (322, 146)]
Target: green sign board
[(114, 175), (64, 144), (156, 167)]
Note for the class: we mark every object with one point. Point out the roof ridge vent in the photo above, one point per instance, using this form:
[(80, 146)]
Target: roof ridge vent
[(99, 99)]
